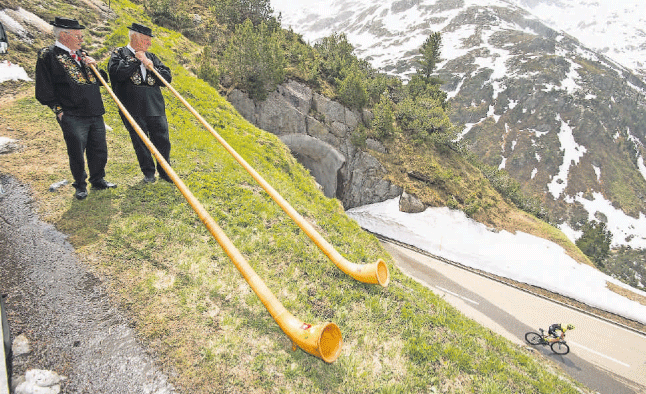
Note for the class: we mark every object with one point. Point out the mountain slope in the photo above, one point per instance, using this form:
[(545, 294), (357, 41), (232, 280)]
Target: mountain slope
[(189, 304), (565, 121), (612, 28)]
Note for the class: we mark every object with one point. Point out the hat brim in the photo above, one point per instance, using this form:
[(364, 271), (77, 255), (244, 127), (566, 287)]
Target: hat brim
[(75, 27), (66, 23), (148, 33)]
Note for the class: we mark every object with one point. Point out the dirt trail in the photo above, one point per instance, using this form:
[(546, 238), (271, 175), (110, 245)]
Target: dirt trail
[(64, 309)]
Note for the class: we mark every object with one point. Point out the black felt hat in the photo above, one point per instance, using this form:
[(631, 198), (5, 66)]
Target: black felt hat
[(66, 23), (141, 29)]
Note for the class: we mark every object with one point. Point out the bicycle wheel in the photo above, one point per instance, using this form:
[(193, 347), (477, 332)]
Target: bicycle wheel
[(533, 338), (560, 348)]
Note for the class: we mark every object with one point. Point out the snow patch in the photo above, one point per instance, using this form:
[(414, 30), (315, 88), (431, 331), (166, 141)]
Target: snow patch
[(572, 152), (452, 235), (626, 230), (12, 72)]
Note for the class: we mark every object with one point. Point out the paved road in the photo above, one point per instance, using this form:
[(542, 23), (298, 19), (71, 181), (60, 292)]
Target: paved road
[(603, 356)]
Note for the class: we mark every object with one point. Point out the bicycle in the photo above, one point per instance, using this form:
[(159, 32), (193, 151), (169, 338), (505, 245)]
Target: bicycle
[(558, 347)]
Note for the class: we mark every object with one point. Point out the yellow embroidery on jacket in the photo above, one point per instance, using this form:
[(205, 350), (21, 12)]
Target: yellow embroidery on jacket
[(136, 78), (74, 71)]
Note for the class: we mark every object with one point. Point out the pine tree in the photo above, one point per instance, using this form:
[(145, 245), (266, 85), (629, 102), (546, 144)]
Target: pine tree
[(336, 56), (384, 121), (430, 52), (352, 89), (254, 59), (595, 242), (235, 12)]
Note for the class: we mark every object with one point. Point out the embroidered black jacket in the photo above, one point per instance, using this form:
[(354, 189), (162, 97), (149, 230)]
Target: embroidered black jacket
[(141, 96), (64, 85)]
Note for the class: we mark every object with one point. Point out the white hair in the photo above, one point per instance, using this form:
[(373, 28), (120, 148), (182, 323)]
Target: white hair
[(57, 32)]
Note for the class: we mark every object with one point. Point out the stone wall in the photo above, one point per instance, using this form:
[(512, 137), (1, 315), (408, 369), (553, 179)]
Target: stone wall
[(318, 131)]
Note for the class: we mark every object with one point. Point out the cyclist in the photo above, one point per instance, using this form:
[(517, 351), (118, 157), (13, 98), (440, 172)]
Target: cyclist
[(554, 329)]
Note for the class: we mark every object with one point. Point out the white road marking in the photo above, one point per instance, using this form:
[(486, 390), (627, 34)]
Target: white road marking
[(456, 295), (600, 354)]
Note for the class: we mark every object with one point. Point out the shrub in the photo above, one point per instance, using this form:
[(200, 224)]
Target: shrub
[(595, 242), (168, 13), (336, 55), (207, 71), (422, 117), (359, 136), (509, 188), (384, 122), (352, 90), (234, 12), (254, 59)]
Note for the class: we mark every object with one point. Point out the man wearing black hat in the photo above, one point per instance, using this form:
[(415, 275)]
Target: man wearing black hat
[(66, 84), (138, 89)]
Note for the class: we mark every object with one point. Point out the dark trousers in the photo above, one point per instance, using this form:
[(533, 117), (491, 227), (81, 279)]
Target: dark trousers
[(156, 129), (85, 136)]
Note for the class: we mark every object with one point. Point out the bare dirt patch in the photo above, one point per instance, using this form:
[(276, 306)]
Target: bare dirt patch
[(626, 293)]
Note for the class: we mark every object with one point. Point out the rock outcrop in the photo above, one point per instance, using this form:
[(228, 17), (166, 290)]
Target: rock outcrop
[(318, 131), (410, 204), (8, 145)]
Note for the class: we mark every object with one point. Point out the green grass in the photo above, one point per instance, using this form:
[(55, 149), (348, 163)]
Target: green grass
[(189, 303)]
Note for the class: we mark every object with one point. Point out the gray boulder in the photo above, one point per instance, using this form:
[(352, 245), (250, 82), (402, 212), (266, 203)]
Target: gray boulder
[(8, 145), (410, 204)]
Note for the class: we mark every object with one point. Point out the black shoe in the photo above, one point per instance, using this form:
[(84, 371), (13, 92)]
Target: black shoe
[(103, 184), (149, 179), (80, 194), (166, 178)]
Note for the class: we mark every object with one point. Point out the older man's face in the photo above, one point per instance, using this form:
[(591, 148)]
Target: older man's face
[(140, 42), (72, 39)]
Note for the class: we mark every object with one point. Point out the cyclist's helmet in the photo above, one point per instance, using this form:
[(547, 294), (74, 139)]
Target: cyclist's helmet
[(570, 326)]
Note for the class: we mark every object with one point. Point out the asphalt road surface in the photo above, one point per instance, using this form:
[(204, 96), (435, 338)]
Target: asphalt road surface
[(603, 356)]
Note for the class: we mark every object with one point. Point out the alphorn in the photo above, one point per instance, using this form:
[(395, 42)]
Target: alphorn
[(323, 340), (375, 273)]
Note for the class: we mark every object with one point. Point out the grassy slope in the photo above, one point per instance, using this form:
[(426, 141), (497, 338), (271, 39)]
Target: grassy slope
[(192, 307), (456, 183)]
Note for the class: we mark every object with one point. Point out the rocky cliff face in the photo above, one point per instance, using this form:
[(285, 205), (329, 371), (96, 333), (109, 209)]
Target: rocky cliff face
[(318, 132)]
